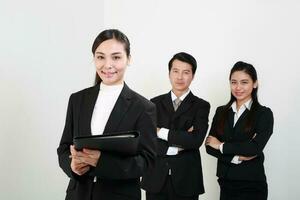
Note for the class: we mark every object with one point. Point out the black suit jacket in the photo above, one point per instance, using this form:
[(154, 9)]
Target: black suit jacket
[(186, 169), (238, 142), (116, 173)]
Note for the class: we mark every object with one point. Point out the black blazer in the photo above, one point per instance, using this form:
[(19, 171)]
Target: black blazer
[(186, 169), (115, 173), (238, 142)]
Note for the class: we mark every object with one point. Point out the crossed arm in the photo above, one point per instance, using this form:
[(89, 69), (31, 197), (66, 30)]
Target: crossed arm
[(214, 143), (246, 150)]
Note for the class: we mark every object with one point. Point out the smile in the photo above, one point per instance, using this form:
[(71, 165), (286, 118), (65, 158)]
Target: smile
[(239, 93), (108, 74)]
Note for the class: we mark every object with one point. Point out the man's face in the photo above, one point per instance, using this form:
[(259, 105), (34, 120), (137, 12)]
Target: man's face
[(181, 76)]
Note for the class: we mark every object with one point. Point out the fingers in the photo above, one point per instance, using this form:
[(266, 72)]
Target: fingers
[(85, 169), (241, 158), (191, 129), (83, 158), (90, 161), (92, 157), (251, 157), (157, 129), (209, 139), (77, 161), (78, 166), (213, 142), (72, 150), (81, 171), (76, 153), (247, 158), (92, 153)]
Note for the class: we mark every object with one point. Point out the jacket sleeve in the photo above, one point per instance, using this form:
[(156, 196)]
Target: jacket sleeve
[(113, 166), (63, 150), (194, 139), (213, 132), (264, 130)]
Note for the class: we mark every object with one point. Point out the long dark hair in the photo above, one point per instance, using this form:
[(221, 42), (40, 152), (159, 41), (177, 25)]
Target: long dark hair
[(107, 35), (250, 70)]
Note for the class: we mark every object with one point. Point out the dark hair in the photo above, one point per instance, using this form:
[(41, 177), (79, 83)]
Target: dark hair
[(107, 35), (184, 57), (250, 70)]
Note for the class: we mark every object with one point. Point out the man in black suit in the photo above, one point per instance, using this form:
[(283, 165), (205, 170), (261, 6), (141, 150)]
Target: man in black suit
[(182, 122)]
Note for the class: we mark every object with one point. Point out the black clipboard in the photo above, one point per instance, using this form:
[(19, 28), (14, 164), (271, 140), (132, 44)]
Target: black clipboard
[(125, 143)]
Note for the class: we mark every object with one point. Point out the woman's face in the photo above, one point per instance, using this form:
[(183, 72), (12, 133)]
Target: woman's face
[(241, 86), (111, 61)]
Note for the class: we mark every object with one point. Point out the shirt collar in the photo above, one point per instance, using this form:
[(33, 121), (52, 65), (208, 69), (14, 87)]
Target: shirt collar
[(111, 88), (182, 97), (247, 105)]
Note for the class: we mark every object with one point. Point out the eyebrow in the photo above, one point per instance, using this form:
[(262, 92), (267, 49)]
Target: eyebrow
[(239, 80), (186, 70), (115, 53)]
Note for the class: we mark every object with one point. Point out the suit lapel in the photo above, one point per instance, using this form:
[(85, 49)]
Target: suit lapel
[(230, 118), (167, 102), (228, 126), (87, 108), (241, 118), (119, 110)]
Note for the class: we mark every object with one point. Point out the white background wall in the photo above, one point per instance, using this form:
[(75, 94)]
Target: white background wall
[(45, 55)]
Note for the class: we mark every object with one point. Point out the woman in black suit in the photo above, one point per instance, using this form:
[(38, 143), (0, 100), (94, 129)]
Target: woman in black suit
[(109, 106), (239, 132)]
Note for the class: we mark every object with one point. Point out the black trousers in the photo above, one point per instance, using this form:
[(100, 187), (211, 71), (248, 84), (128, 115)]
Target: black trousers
[(243, 190), (104, 191), (168, 193)]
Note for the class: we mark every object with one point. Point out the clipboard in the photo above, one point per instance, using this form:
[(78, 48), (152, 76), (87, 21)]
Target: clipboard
[(125, 143)]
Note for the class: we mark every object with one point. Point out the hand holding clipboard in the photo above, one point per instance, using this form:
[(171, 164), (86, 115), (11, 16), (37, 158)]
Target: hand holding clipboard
[(125, 143)]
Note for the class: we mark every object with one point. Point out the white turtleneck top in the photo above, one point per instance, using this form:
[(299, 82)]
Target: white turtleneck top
[(105, 103)]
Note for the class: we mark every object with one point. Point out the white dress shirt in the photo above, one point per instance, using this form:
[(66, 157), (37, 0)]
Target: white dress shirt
[(105, 103), (237, 114), (164, 132)]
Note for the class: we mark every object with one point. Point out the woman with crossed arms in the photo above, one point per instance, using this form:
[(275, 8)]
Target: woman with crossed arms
[(239, 132)]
